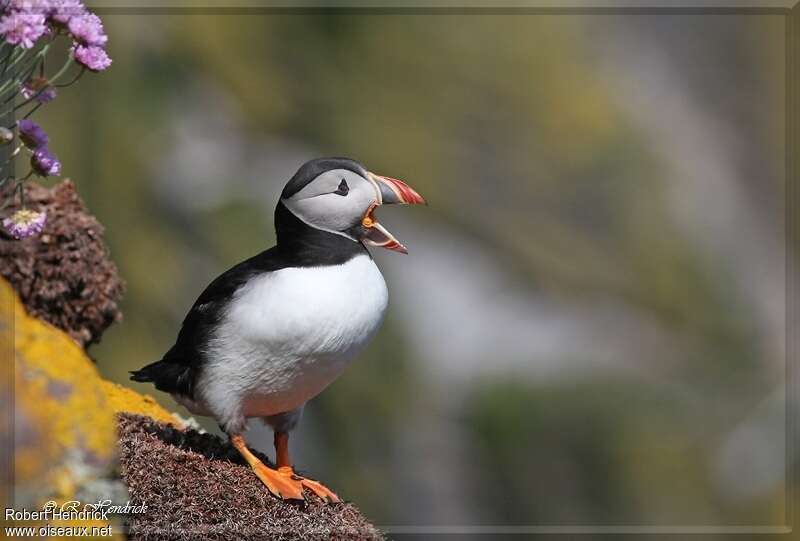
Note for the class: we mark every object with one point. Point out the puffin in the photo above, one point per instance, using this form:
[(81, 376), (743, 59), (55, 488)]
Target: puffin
[(272, 332)]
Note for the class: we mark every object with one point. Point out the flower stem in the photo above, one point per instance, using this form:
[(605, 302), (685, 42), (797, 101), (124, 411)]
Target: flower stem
[(11, 157), (17, 55), (17, 83), (74, 79), (27, 69), (8, 201), (53, 79), (6, 57), (33, 110), (21, 191)]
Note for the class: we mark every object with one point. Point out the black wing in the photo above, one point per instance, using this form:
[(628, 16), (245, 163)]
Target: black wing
[(176, 372)]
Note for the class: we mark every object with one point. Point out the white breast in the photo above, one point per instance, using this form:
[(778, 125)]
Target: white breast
[(290, 333)]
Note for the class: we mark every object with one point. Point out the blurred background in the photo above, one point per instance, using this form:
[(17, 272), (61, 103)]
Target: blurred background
[(590, 326)]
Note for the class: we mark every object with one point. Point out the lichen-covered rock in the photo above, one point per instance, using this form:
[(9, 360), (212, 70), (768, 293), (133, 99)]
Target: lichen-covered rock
[(64, 432), (64, 275), (64, 416), (124, 400), (64, 429)]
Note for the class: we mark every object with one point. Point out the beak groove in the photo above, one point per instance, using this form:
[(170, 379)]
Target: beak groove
[(394, 191)]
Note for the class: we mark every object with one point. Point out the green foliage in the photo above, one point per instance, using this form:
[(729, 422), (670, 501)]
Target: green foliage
[(593, 453)]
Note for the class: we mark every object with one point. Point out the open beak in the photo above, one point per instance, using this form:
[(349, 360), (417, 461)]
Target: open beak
[(390, 192)]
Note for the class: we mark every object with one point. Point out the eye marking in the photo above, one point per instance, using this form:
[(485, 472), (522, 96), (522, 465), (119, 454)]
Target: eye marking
[(343, 188)]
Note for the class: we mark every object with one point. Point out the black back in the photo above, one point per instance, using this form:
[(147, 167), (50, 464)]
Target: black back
[(299, 245)]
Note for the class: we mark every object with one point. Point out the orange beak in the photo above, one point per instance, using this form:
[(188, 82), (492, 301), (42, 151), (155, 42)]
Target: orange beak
[(390, 191)]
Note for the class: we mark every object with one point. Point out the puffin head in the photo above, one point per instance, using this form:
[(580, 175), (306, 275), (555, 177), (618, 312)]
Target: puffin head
[(339, 195)]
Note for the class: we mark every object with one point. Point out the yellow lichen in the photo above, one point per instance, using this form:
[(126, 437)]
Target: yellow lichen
[(58, 394), (64, 411), (124, 400)]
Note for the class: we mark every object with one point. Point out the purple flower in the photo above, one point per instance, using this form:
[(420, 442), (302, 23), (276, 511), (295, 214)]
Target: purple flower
[(22, 28), (45, 163), (42, 7), (25, 223), (40, 88), (32, 134), (87, 29), (64, 10), (94, 58)]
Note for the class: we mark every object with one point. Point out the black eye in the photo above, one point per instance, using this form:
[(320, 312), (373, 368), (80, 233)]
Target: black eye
[(343, 188)]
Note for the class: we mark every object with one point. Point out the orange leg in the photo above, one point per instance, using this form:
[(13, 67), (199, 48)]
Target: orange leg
[(284, 465), (278, 482)]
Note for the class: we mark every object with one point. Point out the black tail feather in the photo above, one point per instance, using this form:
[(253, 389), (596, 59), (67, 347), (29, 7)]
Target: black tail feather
[(166, 376), (143, 374)]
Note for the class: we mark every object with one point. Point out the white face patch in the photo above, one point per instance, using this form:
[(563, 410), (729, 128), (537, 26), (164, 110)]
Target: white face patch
[(334, 201)]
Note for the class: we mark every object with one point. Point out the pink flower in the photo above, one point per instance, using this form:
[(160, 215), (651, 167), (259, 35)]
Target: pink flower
[(64, 10), (94, 58), (42, 7), (23, 28), (87, 29)]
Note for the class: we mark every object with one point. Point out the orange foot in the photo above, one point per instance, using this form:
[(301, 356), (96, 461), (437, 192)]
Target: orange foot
[(316, 487), (278, 483), (283, 482)]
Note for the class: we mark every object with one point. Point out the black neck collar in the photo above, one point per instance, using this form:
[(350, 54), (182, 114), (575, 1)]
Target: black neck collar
[(304, 245)]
